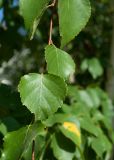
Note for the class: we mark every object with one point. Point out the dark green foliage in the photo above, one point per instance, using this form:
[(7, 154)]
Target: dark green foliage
[(62, 108)]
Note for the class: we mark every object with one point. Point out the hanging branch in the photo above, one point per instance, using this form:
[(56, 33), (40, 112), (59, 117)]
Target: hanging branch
[(51, 24)]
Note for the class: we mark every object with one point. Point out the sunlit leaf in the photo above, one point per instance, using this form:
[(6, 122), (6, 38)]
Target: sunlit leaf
[(73, 16), (42, 94), (95, 68), (59, 62)]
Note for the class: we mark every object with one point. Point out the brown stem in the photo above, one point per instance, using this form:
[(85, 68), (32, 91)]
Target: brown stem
[(50, 32), (51, 24), (33, 150)]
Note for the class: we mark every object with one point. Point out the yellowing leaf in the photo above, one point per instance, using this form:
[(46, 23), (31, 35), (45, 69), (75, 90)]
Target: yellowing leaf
[(71, 131), (72, 128)]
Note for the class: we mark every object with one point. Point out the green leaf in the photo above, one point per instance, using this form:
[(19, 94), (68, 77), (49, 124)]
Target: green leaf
[(107, 108), (3, 128), (73, 16), (79, 109), (73, 93), (94, 96), (63, 148), (98, 116), (1, 3), (95, 68), (84, 65), (60, 118), (101, 145), (32, 11), (18, 143), (59, 62), (42, 94), (12, 150), (90, 97), (66, 108), (56, 118), (85, 98), (39, 146), (87, 124)]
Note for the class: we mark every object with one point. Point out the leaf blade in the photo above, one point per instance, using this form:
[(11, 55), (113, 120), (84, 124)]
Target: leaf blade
[(50, 91), (73, 14), (59, 62), (32, 11), (62, 147), (22, 141), (71, 131)]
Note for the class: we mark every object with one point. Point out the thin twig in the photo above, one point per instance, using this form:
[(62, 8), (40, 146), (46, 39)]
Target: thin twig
[(50, 32), (51, 24), (33, 150)]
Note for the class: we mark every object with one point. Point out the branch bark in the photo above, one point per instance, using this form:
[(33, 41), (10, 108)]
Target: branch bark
[(110, 71), (110, 74)]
